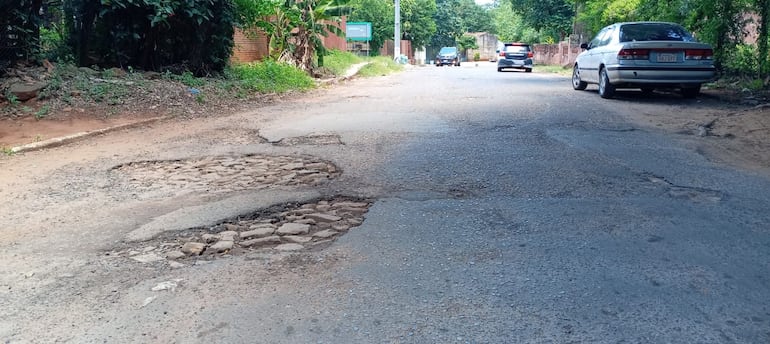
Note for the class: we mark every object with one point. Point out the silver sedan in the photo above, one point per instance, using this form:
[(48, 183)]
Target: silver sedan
[(645, 55)]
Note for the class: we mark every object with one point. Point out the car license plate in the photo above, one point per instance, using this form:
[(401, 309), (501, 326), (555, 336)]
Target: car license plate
[(665, 57)]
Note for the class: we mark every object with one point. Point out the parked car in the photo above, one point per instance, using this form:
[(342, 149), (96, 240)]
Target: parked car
[(448, 56), (515, 55), (645, 55)]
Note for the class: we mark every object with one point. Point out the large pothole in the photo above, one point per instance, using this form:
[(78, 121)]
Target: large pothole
[(287, 228), (224, 173)]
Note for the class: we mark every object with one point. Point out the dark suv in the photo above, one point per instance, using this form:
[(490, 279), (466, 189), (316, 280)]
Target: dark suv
[(515, 55), (448, 56)]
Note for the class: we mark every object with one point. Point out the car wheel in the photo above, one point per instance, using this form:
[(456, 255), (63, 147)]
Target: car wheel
[(606, 90), (690, 92), (499, 69), (458, 64), (576, 82), (528, 70)]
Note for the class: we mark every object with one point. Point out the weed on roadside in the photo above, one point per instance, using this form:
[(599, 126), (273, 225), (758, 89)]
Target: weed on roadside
[(7, 150), (42, 112), (380, 66), (270, 77)]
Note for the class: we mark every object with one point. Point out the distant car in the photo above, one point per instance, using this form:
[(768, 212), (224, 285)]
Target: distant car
[(448, 56), (515, 55), (645, 55)]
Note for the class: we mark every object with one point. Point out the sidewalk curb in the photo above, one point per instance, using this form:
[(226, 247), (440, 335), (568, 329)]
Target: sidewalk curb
[(59, 141)]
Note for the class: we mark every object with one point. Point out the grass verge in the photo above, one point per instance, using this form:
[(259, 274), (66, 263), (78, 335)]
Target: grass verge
[(270, 77), (380, 65)]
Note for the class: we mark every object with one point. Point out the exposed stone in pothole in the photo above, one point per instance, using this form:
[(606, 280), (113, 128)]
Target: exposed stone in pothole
[(287, 228), (310, 140), (225, 173)]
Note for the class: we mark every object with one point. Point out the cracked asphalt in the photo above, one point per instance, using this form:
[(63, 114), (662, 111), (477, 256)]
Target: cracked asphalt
[(506, 208)]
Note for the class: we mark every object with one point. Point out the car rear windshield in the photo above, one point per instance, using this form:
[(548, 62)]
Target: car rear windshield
[(654, 32), (516, 48)]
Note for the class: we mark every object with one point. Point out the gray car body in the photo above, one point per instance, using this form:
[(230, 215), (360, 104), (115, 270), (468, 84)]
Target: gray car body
[(602, 54)]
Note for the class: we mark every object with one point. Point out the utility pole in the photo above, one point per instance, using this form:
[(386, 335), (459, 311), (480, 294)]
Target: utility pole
[(397, 30)]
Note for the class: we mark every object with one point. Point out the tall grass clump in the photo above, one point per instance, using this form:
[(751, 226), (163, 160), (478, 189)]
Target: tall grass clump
[(339, 61), (380, 65), (270, 77)]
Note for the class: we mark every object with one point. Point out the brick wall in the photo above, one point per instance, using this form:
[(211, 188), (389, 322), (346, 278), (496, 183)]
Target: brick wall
[(332, 41), (249, 47), (254, 46), (406, 49)]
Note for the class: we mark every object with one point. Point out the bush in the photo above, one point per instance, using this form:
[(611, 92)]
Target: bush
[(742, 61), (270, 76)]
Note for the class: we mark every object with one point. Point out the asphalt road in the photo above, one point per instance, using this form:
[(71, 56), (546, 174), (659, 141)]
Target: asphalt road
[(507, 208)]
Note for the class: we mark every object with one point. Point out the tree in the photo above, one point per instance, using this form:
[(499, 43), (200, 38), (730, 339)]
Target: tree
[(555, 16), (449, 24), (511, 28), (195, 35), (467, 42), (417, 23), (380, 14), (475, 18)]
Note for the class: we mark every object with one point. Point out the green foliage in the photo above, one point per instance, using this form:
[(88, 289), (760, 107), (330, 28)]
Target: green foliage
[(19, 25), (339, 61), (475, 18), (270, 77), (449, 23), (191, 35), (188, 79), (42, 112), (742, 61), (476, 56), (552, 16), (417, 23), (378, 12), (466, 42), (380, 66), (12, 99), (511, 28), (54, 45)]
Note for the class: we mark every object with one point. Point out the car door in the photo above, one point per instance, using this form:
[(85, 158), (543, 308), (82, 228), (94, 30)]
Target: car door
[(591, 59)]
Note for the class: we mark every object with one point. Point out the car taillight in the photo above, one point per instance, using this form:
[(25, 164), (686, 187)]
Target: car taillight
[(699, 54), (502, 53), (530, 54), (634, 54)]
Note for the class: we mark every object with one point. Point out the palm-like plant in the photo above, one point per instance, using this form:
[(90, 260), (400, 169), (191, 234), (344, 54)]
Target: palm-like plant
[(298, 26)]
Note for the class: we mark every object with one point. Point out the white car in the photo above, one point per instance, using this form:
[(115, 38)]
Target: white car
[(645, 55)]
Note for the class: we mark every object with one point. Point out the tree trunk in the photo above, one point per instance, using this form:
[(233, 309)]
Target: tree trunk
[(764, 21)]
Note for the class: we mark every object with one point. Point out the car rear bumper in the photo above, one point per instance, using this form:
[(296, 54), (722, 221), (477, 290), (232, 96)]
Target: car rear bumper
[(508, 63), (634, 75)]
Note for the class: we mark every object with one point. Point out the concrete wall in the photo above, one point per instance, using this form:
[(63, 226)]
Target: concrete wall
[(487, 43), (562, 54)]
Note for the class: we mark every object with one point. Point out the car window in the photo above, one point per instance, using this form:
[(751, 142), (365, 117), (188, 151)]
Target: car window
[(447, 50), (516, 48), (654, 32), (602, 38)]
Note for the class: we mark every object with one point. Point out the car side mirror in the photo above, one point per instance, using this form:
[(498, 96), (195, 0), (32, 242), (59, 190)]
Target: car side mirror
[(584, 46)]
